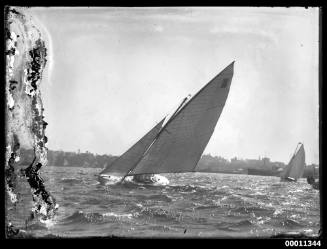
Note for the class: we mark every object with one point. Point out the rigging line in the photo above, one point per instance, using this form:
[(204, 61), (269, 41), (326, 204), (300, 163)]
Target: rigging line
[(172, 117), (178, 111), (152, 142), (112, 164), (155, 139), (129, 171), (178, 108), (137, 162)]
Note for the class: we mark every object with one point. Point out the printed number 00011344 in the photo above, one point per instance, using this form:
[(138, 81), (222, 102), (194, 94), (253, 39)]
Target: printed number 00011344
[(302, 243)]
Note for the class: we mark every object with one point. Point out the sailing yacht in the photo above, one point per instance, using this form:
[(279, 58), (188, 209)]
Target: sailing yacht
[(295, 168), (311, 179), (176, 143)]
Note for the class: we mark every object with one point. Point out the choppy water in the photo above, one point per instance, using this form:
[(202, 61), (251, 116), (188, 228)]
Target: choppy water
[(192, 205)]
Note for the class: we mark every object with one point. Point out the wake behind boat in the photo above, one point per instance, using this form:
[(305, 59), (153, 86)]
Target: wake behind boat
[(176, 143), (295, 168)]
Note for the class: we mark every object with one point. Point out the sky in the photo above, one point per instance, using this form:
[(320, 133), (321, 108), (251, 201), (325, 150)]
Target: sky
[(113, 73)]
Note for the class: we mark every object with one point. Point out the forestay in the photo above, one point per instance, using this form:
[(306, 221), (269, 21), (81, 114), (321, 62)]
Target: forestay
[(129, 159)]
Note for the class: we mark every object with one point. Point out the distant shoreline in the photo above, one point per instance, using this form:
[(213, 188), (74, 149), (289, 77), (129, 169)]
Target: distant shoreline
[(207, 164)]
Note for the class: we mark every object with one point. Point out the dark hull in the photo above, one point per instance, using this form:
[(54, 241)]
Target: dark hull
[(145, 179), (315, 185)]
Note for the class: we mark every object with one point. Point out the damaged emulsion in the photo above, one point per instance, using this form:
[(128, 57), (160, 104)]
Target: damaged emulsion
[(44, 203), (11, 51), (10, 175), (37, 185), (38, 54)]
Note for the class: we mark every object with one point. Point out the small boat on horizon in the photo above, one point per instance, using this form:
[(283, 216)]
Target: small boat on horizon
[(311, 180), (295, 168), (176, 143)]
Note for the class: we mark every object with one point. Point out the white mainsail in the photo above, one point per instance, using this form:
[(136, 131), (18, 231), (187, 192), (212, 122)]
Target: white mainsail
[(122, 165), (177, 143), (295, 168), (181, 142)]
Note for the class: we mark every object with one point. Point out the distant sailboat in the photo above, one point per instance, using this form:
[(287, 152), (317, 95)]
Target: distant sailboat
[(295, 168), (175, 144), (311, 179)]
